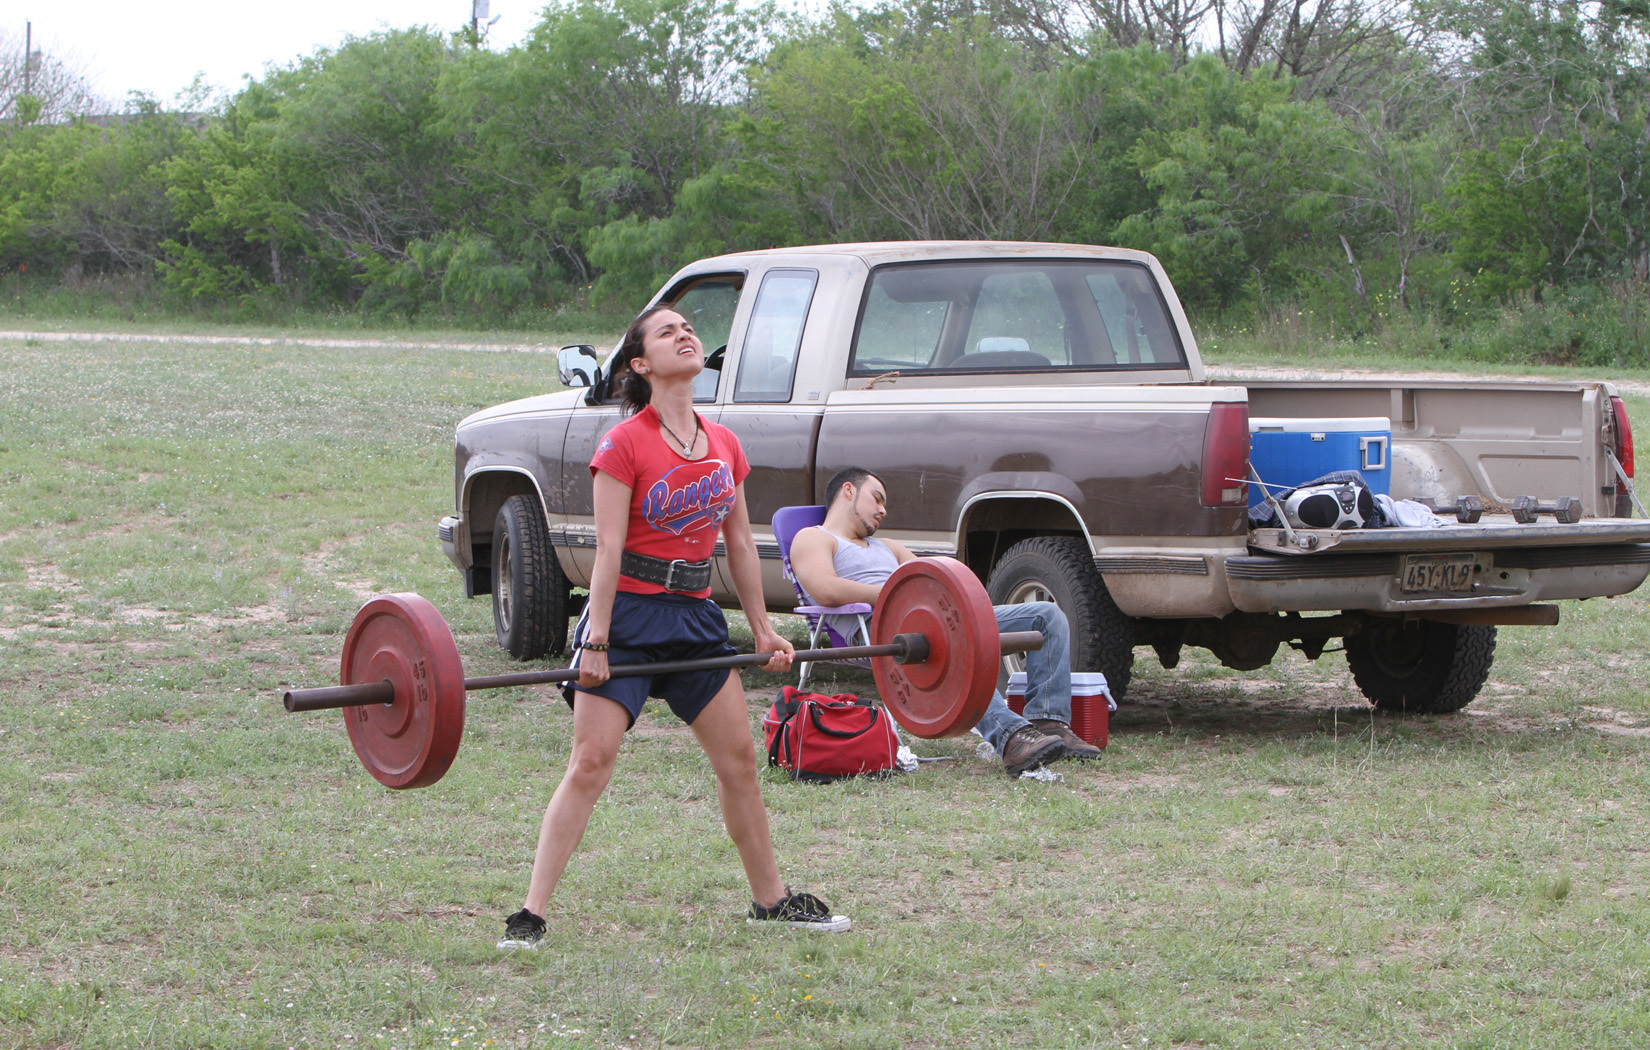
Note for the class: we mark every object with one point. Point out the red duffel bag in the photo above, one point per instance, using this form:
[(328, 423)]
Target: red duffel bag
[(825, 738)]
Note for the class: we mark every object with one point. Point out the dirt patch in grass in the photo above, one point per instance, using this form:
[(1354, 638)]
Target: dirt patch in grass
[(1621, 723), (1165, 708), (45, 575), (317, 564)]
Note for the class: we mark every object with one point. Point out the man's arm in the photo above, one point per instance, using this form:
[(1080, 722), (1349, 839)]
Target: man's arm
[(812, 559)]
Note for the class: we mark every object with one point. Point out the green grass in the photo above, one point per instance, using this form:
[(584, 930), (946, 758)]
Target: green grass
[(1257, 862)]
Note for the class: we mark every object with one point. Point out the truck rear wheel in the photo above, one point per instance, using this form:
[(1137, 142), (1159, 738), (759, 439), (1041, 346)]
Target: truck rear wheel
[(1061, 569), (530, 592), (1421, 668)]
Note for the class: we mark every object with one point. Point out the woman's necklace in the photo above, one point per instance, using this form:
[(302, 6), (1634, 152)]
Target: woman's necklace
[(687, 446)]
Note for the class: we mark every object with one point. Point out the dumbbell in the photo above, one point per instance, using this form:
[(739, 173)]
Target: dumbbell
[(1525, 509), (1467, 509)]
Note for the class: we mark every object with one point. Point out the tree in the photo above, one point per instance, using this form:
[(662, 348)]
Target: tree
[(39, 88), (1084, 27), (85, 196), (362, 123), (1391, 166), (953, 133), (341, 159), (1324, 45), (235, 198), (1556, 109), (1237, 167), (604, 114)]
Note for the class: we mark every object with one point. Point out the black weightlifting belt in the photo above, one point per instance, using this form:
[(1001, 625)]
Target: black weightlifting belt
[(678, 575)]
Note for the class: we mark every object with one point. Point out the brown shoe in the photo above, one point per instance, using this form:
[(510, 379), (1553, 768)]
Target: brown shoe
[(1076, 746), (1028, 748)]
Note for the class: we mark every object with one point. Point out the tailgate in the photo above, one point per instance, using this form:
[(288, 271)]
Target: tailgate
[(1495, 563), (1494, 532)]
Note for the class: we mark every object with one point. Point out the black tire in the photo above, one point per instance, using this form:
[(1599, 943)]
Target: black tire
[(1421, 668), (531, 595), (1061, 569)]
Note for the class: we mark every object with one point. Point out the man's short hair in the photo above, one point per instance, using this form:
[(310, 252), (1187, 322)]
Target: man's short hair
[(854, 476)]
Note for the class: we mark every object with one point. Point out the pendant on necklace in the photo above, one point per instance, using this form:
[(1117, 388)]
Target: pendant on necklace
[(687, 446)]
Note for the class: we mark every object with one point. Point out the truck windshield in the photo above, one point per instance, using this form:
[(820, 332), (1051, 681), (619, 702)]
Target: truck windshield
[(1014, 315)]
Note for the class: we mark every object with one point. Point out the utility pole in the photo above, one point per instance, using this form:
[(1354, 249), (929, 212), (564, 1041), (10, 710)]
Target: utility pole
[(28, 56), (479, 22)]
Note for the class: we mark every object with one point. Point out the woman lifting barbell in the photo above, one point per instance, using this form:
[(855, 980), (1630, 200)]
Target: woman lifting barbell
[(666, 481)]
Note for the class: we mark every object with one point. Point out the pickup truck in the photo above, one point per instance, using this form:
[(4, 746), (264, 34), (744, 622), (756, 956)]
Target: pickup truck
[(1040, 412)]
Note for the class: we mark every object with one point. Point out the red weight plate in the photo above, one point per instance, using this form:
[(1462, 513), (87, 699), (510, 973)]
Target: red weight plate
[(940, 599), (411, 742)]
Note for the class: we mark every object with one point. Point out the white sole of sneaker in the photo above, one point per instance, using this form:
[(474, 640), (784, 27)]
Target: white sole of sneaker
[(517, 946), (835, 924)]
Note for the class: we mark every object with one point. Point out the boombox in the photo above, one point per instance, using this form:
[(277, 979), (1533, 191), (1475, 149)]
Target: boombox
[(1340, 506)]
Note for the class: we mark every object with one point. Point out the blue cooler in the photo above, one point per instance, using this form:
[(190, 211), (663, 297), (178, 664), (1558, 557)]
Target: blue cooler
[(1290, 452)]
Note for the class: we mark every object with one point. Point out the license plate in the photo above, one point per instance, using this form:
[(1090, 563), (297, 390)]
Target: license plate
[(1438, 573)]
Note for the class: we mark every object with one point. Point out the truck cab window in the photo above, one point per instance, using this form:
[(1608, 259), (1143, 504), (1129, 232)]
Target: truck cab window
[(1139, 331), (773, 338), (1014, 315), (709, 304), (896, 334), (1017, 322)]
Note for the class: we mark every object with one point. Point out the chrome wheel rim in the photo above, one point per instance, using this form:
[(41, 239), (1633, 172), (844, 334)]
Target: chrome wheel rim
[(501, 585), (1029, 591)]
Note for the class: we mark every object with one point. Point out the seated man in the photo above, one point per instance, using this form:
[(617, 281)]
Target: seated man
[(841, 562)]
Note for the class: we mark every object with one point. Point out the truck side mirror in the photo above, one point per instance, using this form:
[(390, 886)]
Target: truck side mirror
[(578, 365)]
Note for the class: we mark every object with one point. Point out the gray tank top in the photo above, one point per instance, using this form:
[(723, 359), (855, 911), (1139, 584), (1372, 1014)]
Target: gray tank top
[(872, 563)]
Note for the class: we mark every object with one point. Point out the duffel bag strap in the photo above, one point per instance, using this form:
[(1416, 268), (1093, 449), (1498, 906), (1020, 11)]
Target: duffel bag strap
[(843, 734)]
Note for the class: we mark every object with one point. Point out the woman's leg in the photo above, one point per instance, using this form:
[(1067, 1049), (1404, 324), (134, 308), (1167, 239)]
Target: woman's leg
[(599, 726), (723, 729)]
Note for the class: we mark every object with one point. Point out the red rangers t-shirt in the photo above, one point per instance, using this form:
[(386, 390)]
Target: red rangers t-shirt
[(677, 505)]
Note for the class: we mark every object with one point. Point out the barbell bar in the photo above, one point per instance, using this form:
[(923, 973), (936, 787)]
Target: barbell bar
[(904, 649), (935, 654)]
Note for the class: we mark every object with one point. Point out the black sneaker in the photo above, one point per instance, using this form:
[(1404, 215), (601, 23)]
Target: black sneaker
[(799, 911), (522, 932)]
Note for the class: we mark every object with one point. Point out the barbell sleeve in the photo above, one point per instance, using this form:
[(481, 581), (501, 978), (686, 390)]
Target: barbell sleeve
[(905, 648)]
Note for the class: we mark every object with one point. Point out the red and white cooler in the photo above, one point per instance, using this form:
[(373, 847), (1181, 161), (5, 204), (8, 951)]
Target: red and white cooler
[(1091, 703)]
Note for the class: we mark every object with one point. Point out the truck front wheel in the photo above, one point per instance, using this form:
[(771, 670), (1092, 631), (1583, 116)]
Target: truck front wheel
[(530, 592), (1421, 668), (1061, 569)]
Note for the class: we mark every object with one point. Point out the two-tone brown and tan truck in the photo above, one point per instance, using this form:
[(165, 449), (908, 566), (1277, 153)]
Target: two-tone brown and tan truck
[(1040, 411)]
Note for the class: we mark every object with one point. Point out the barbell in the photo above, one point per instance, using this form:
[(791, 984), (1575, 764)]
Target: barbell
[(403, 687)]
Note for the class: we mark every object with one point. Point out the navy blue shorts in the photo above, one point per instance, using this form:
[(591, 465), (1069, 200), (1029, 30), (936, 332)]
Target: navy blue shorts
[(654, 628)]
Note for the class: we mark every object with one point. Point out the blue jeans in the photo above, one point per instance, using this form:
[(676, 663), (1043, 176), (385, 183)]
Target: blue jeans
[(1048, 671)]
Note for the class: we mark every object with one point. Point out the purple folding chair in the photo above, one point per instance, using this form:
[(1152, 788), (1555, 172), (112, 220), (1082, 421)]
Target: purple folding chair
[(787, 522)]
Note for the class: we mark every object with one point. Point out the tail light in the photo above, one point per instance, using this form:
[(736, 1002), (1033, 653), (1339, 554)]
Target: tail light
[(1226, 455), (1622, 441)]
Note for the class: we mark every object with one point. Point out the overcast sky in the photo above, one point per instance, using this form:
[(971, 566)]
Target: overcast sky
[(157, 46)]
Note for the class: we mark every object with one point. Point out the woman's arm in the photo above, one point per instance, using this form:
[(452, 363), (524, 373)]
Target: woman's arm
[(747, 584), (612, 499)]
